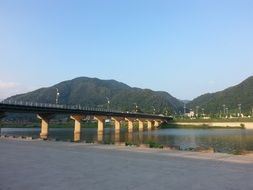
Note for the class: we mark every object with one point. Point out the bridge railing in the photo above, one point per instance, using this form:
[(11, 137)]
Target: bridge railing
[(58, 106), (70, 107)]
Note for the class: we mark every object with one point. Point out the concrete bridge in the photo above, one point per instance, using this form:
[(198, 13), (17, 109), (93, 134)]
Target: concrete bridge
[(45, 112)]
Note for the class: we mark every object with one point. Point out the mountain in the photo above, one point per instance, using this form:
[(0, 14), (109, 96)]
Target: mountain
[(215, 103), (94, 92)]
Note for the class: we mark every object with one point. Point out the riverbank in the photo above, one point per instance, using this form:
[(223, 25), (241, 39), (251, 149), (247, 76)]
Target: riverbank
[(36, 164), (243, 125)]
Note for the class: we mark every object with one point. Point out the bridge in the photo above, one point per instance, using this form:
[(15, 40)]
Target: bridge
[(45, 112)]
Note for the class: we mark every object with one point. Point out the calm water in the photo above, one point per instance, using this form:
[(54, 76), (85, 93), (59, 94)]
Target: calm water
[(222, 140)]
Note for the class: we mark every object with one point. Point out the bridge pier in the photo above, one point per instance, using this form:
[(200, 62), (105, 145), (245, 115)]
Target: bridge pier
[(130, 124), (149, 124), (156, 123), (117, 123), (141, 124), (101, 123), (45, 118), (77, 119)]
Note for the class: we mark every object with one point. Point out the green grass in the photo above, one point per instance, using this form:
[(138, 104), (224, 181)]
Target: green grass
[(153, 144)]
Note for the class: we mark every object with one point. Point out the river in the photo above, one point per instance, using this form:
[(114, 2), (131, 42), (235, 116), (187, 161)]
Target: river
[(221, 140)]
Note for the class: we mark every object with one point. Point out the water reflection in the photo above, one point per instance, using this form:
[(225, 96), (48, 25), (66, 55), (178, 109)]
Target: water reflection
[(140, 135), (129, 136), (221, 140), (77, 137), (117, 136), (100, 135)]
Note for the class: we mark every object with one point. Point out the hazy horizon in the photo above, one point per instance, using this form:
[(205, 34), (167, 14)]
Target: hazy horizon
[(186, 48)]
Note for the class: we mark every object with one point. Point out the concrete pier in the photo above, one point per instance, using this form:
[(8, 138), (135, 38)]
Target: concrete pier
[(141, 124), (77, 119), (117, 121), (156, 123), (101, 123), (45, 118), (149, 124), (130, 124)]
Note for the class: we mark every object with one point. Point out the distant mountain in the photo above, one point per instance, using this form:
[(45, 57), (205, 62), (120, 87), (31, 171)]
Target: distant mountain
[(96, 93), (230, 98), (185, 101)]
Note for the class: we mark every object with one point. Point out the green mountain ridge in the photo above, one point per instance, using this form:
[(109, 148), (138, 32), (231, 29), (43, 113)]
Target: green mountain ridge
[(230, 98), (94, 92)]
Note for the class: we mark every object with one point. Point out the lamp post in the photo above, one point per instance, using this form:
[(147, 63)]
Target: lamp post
[(153, 109), (226, 112), (224, 109), (108, 103), (57, 96), (136, 107), (197, 111), (240, 110), (166, 112)]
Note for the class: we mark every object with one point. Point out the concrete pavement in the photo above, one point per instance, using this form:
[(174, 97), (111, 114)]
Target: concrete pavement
[(44, 165)]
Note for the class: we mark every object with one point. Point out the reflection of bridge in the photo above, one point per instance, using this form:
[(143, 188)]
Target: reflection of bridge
[(45, 112)]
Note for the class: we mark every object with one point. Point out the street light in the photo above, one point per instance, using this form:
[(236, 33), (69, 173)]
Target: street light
[(108, 103), (224, 109), (240, 109), (197, 111), (136, 107), (166, 112), (227, 112), (153, 109), (57, 96)]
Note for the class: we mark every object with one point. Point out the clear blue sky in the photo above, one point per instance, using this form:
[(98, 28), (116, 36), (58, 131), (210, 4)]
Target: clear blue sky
[(184, 47)]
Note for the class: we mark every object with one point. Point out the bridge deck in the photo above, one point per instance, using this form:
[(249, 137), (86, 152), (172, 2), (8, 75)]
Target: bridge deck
[(28, 107)]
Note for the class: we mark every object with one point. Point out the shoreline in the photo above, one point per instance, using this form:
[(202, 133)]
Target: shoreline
[(242, 125), (246, 157)]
